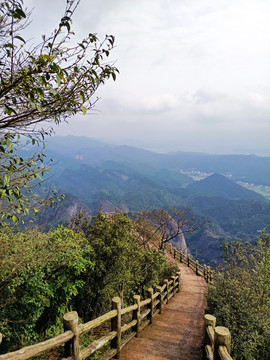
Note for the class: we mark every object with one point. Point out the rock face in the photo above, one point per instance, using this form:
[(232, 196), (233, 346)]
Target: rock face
[(108, 208), (61, 212), (178, 241)]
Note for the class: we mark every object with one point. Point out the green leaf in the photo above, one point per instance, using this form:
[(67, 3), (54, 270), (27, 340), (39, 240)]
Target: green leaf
[(19, 38), (58, 79), (5, 181), (9, 144), (46, 56), (8, 110), (84, 110), (19, 14)]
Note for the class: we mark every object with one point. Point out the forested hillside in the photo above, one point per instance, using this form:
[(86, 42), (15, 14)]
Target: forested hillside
[(134, 179)]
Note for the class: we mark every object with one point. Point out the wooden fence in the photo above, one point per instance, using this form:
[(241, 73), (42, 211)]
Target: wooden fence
[(186, 259), (143, 312), (217, 340)]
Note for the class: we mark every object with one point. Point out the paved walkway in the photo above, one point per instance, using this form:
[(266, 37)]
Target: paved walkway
[(177, 333)]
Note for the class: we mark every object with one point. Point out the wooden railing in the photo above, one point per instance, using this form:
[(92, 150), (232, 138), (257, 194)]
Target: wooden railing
[(186, 259), (217, 340), (142, 311)]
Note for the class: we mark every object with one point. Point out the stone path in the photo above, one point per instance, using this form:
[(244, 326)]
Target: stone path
[(177, 333)]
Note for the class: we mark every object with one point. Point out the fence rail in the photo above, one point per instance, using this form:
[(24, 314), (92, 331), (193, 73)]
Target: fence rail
[(186, 259), (143, 313)]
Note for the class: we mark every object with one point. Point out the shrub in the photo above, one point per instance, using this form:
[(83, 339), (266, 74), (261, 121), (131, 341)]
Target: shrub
[(40, 274), (240, 298)]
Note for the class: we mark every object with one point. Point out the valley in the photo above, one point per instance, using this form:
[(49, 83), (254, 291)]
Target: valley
[(228, 194)]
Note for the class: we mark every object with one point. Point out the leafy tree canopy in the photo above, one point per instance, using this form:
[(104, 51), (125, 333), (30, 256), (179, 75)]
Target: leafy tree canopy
[(40, 274), (48, 82), (44, 275)]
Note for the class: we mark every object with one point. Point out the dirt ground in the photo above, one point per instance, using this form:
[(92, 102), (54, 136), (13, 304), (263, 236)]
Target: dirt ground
[(177, 333)]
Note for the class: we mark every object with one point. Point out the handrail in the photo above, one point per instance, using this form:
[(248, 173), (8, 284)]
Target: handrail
[(37, 349), (199, 269)]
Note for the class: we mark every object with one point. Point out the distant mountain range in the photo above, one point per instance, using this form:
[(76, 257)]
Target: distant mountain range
[(249, 168), (92, 172)]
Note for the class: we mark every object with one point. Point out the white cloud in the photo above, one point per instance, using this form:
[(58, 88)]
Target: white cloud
[(162, 103), (189, 70)]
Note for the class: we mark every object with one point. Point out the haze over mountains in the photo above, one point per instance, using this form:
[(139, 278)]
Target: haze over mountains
[(132, 179)]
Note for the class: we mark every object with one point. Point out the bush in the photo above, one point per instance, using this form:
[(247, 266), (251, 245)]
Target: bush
[(240, 298), (40, 274), (121, 266)]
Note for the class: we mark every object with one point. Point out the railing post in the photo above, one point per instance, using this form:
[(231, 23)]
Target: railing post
[(116, 326), (174, 253), (179, 284), (204, 271), (222, 338), (137, 314), (208, 273), (211, 275), (209, 320), (181, 256), (174, 281), (150, 305), (166, 281), (72, 347), (158, 289), (188, 259), (197, 267)]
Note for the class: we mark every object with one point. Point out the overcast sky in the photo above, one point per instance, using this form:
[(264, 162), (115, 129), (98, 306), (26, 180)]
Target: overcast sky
[(194, 74)]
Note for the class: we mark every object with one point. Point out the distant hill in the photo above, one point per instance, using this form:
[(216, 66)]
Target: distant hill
[(95, 174), (246, 168), (220, 186)]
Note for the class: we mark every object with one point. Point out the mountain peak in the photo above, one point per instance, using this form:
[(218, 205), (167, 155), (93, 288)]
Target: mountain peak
[(220, 186)]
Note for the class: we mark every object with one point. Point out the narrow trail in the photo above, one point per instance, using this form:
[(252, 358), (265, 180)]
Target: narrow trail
[(177, 333)]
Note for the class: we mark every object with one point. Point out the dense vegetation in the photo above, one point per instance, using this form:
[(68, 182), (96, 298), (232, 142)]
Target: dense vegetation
[(44, 275), (240, 298)]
